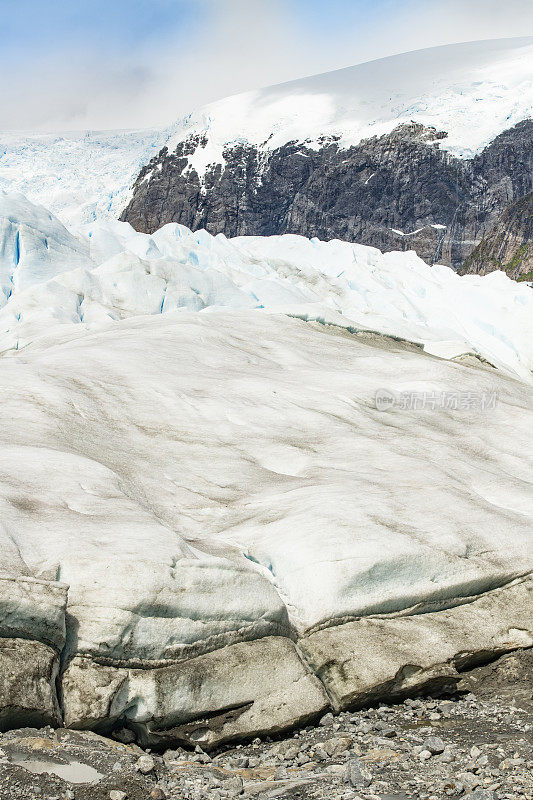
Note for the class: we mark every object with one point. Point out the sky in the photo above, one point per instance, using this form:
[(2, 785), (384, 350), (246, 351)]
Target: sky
[(107, 64)]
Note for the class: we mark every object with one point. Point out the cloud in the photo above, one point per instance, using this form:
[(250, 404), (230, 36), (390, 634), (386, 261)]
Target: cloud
[(151, 74)]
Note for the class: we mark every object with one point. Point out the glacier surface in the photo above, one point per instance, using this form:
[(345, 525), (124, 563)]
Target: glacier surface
[(205, 482), (107, 272), (209, 530), (79, 175)]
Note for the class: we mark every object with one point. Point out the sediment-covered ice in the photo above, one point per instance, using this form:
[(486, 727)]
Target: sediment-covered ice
[(200, 497)]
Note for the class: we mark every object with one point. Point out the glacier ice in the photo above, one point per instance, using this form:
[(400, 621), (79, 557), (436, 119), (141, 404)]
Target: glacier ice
[(34, 245), (108, 272), (199, 498), (81, 176)]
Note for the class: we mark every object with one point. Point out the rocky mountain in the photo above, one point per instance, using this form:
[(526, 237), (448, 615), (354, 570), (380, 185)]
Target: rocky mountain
[(428, 161), (398, 191), (508, 245)]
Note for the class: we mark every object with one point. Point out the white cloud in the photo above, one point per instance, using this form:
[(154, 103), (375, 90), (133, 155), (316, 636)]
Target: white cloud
[(243, 44)]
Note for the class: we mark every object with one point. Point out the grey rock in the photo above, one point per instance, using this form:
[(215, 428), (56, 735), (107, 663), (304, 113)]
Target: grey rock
[(364, 728), (508, 245), (401, 181), (337, 745), (447, 757), (434, 744), (319, 754), (234, 785), (124, 735), (357, 774), (469, 780), (145, 764), (290, 752)]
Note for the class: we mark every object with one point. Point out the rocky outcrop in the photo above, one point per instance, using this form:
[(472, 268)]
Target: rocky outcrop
[(399, 191), (508, 245), (32, 637)]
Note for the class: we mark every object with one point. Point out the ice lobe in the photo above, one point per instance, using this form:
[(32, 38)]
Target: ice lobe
[(209, 530), (227, 505)]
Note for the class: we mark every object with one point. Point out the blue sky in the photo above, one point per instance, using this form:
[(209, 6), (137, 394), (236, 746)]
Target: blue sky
[(93, 23), (132, 63)]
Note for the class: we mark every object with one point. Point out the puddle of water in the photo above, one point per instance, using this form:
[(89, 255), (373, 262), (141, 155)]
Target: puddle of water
[(400, 796), (73, 772), (427, 723)]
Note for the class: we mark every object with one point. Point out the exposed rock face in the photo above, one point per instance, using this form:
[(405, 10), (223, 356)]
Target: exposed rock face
[(32, 636), (399, 191), (508, 245)]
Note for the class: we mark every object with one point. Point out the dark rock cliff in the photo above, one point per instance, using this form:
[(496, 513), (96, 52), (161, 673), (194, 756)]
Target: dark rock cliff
[(508, 245), (399, 191)]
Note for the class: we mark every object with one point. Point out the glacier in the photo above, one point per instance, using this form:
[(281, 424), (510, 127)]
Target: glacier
[(209, 529), (116, 273), (79, 175)]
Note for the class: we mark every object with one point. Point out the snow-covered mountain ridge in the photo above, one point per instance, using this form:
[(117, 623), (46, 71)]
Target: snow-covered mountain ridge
[(473, 91)]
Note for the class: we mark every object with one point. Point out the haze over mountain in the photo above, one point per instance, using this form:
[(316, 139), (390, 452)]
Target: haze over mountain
[(351, 154)]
